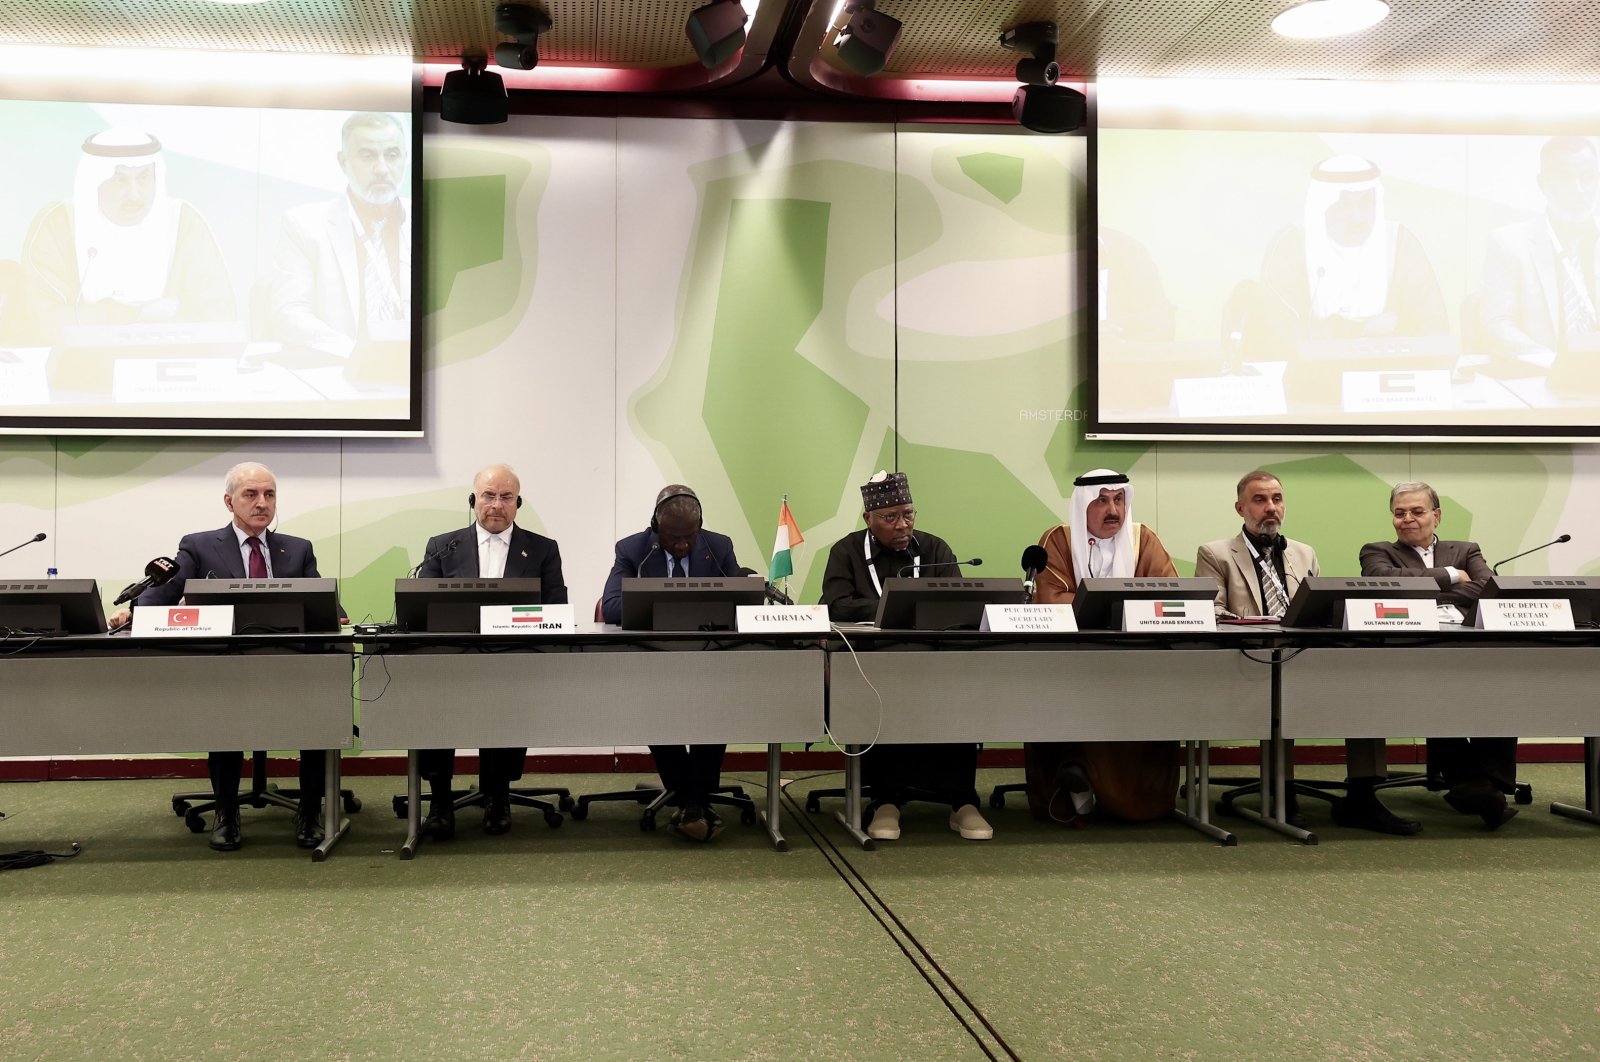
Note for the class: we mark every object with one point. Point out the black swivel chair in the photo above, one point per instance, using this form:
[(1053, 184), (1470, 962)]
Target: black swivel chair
[(260, 794), (519, 796)]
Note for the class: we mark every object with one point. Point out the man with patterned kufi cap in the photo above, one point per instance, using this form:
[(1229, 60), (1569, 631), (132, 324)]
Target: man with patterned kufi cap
[(858, 565), (1128, 779)]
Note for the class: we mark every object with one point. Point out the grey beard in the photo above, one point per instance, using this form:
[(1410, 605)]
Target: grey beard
[(377, 198)]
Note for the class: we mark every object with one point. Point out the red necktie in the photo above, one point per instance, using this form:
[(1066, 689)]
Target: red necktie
[(258, 561)]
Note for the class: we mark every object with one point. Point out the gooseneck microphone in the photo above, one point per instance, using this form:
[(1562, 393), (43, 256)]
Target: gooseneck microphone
[(655, 547), (448, 547), (774, 595), (1034, 558), (158, 571), (40, 537), (973, 563), (1495, 568)]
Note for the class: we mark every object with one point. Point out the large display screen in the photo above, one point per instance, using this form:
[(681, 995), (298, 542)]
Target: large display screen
[(226, 255), (1324, 259)]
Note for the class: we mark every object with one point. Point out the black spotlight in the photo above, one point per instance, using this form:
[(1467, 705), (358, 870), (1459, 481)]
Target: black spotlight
[(473, 95), (1038, 39), (868, 39), (716, 31), (1049, 108), (525, 23)]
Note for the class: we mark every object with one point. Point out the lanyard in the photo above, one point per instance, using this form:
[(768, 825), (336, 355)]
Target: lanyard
[(1269, 570), (872, 570)]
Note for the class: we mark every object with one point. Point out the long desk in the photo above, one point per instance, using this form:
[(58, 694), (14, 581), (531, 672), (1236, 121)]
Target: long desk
[(602, 686), (98, 695), (941, 687)]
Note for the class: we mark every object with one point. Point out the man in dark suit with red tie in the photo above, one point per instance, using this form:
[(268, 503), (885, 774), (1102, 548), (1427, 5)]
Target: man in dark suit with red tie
[(1480, 770), (246, 549), (676, 545), (491, 547)]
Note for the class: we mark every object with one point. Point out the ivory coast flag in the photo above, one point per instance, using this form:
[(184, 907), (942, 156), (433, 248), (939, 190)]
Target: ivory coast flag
[(789, 536)]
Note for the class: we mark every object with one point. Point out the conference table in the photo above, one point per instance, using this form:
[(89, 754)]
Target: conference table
[(597, 686), (86, 695)]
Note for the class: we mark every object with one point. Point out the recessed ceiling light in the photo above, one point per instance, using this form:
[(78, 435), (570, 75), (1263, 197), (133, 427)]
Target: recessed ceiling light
[(1316, 19)]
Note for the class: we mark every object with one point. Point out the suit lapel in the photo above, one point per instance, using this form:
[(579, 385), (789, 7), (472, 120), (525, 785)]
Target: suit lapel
[(229, 561), (1543, 254), (518, 559), (1247, 572), (1409, 558)]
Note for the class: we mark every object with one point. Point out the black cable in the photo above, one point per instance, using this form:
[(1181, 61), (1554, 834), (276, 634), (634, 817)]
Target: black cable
[(33, 857)]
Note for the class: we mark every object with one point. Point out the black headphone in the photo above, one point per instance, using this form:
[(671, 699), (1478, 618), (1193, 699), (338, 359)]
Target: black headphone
[(667, 495), (472, 501)]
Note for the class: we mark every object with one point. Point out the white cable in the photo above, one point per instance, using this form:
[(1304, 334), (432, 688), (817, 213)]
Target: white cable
[(825, 729)]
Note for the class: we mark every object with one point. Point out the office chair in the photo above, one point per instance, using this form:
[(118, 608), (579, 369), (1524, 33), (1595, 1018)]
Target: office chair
[(519, 796), (260, 794), (656, 797)]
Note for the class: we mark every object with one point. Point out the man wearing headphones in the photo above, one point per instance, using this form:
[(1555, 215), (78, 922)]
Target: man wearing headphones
[(491, 547), (677, 545), (1257, 573)]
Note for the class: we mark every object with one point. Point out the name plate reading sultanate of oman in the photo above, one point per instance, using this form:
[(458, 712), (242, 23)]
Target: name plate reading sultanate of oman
[(1399, 614), (526, 619)]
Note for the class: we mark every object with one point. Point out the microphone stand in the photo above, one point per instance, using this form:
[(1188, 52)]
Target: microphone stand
[(1495, 568)]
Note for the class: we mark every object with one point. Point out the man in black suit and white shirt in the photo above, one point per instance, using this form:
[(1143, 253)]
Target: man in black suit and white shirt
[(246, 549), (1481, 770), (491, 547)]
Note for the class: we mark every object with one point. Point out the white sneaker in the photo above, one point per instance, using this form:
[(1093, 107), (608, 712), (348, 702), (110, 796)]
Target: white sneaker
[(966, 821), (885, 824)]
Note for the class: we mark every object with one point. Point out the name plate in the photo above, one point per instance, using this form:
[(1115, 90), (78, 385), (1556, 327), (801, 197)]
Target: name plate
[(1229, 396), (1513, 614), (1387, 392), (526, 619), (182, 621), (809, 619), (1014, 619), (1177, 615), (1379, 614)]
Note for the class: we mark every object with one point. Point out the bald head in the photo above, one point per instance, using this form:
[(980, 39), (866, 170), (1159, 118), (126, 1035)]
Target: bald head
[(496, 496)]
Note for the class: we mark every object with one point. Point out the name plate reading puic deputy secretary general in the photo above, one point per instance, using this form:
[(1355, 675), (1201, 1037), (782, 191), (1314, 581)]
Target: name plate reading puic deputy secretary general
[(1026, 619), (1511, 614), (526, 619), (809, 619)]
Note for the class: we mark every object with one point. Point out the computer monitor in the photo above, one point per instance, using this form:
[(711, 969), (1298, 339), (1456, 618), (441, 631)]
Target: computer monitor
[(271, 606), (451, 605), (1320, 600), (1582, 590), (1097, 605), (51, 606), (688, 604), (950, 604)]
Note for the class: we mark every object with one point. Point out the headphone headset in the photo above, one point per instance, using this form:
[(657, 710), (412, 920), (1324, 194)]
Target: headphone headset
[(472, 501), (666, 496)]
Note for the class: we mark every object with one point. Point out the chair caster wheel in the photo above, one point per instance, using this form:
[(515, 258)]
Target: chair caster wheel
[(1523, 795), (552, 819), (997, 801), (195, 823), (352, 804), (580, 811), (747, 817), (180, 808), (647, 823), (1225, 808), (813, 805), (566, 803), (400, 806)]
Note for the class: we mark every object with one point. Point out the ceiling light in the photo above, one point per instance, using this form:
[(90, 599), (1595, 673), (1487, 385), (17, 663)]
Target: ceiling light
[(716, 32), (474, 95), (1040, 104), (868, 39), (1316, 19)]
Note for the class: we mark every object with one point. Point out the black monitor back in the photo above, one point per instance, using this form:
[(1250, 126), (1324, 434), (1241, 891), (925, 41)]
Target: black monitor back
[(451, 605), (942, 604), (688, 604), (51, 606), (271, 606), (1097, 603), (1320, 600)]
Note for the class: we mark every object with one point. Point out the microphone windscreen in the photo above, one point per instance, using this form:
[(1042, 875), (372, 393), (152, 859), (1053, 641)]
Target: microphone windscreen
[(974, 562), (40, 537), (1563, 538), (1034, 558), (160, 570)]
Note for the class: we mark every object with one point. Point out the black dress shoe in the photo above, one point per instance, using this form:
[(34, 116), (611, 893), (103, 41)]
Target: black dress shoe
[(225, 835), (308, 825), (441, 821), (1367, 812), (497, 816), (1482, 800)]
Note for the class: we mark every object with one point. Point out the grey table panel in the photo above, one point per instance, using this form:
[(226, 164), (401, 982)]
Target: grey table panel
[(463, 700), (1489, 691), (93, 705), (1083, 695)]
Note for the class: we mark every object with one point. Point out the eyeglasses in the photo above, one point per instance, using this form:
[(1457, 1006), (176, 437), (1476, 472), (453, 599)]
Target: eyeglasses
[(1415, 514), (895, 519)]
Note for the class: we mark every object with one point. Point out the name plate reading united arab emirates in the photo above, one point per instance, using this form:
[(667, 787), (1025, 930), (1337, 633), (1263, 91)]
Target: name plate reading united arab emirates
[(1012, 619), (1154, 614), (1400, 614), (526, 619), (182, 621), (1512, 614), (811, 619)]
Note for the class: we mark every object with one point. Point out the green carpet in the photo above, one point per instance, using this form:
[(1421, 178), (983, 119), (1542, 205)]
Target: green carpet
[(596, 940)]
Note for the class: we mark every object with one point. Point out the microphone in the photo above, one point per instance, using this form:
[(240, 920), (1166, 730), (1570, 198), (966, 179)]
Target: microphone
[(973, 563), (1495, 568), (655, 547), (774, 595), (158, 571), (40, 537), (1034, 558), (448, 547)]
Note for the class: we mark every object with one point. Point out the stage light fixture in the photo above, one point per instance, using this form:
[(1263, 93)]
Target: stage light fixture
[(1040, 104), (868, 39), (1038, 39), (474, 95), (525, 23), (716, 31)]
